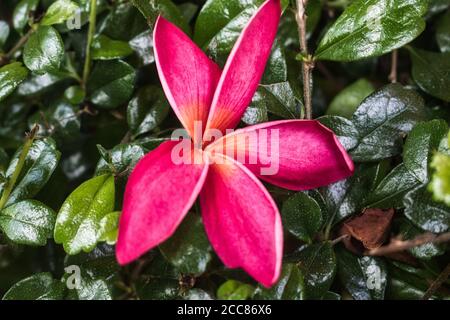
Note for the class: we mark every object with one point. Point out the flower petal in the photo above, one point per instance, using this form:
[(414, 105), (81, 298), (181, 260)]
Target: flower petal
[(293, 154), (244, 67), (242, 221), (188, 76), (158, 195)]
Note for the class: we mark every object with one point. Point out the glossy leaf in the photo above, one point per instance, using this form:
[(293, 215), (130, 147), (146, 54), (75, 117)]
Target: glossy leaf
[(440, 182), (429, 71), (142, 44), (425, 251), (44, 50), (443, 32), (421, 143), (105, 48), (40, 286), (346, 102), (372, 28), (317, 263), (290, 286), (59, 11), (365, 278), (234, 290), (121, 159), (147, 110), (22, 12), (302, 216), (28, 222), (109, 227), (40, 163), (383, 119), (4, 32), (111, 83), (78, 222), (11, 76), (188, 249), (343, 128), (426, 213)]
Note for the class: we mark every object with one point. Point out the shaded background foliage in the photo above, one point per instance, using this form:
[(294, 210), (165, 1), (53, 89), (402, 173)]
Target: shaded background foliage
[(61, 186)]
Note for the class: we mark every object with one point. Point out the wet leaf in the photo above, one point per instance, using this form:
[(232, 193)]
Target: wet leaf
[(22, 12), (44, 50), (11, 76), (372, 28), (28, 222), (78, 222), (40, 286), (59, 11), (104, 48), (188, 248), (234, 290)]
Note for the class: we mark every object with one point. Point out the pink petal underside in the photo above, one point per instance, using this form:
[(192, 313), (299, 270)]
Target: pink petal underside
[(242, 221), (189, 78), (244, 67), (292, 154), (158, 195)]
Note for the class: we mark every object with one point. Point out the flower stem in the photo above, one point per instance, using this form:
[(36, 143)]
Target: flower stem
[(394, 63), (91, 32), (23, 155), (308, 62)]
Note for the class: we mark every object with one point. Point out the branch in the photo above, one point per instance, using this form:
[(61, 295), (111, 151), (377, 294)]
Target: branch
[(397, 245), (307, 63), (91, 32), (394, 62), (20, 163), (437, 283)]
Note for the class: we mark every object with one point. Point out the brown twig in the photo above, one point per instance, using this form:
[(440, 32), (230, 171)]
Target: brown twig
[(394, 63), (397, 245), (437, 283), (307, 61)]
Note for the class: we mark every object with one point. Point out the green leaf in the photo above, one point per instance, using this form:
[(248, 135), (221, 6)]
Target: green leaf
[(78, 222), (365, 278), (347, 197), (104, 48), (39, 165), (59, 11), (290, 285), (317, 263), (343, 128), (4, 32), (302, 216), (430, 71), (38, 84), (123, 14), (234, 290), (109, 227), (188, 249), (44, 50), (147, 110), (11, 76), (142, 44), (421, 143), (60, 120), (121, 159), (383, 119), (391, 190), (440, 182), (443, 32), (40, 286), (28, 222), (22, 12), (425, 251), (151, 9), (370, 28), (426, 213), (91, 287), (346, 102), (111, 83), (74, 94), (158, 289), (197, 294)]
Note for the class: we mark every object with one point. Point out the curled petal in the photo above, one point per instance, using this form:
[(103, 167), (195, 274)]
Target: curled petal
[(158, 195), (242, 221), (188, 76), (244, 67), (292, 154)]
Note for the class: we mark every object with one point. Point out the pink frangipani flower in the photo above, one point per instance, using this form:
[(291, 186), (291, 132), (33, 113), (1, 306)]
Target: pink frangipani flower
[(240, 217)]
